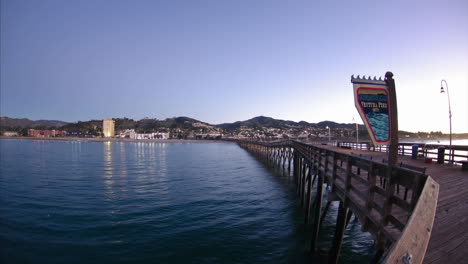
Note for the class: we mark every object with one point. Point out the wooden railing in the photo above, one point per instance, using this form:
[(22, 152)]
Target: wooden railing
[(412, 245), (355, 180), (361, 184), (440, 153)]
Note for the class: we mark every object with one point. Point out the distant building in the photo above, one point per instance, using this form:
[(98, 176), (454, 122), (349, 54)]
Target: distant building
[(108, 127), (156, 135), (45, 133), (10, 134), (129, 133)]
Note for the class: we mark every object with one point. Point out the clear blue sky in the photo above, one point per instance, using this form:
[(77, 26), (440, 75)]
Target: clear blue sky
[(224, 61)]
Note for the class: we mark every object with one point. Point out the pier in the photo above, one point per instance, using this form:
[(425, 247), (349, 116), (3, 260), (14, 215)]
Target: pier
[(415, 211)]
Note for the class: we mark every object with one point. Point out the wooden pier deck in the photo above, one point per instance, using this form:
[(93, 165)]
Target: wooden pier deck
[(415, 215), (449, 238)]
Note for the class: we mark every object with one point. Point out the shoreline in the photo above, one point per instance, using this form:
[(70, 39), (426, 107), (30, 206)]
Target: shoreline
[(118, 139), (421, 141)]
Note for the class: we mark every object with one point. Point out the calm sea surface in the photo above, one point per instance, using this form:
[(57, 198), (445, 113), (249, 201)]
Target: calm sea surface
[(110, 202)]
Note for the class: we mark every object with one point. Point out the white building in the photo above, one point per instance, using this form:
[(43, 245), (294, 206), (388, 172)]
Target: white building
[(128, 133), (108, 127), (10, 134), (154, 135)]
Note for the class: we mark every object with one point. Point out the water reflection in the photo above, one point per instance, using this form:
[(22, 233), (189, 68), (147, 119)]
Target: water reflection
[(114, 171), (146, 162), (75, 150), (108, 170), (151, 168), (39, 160)]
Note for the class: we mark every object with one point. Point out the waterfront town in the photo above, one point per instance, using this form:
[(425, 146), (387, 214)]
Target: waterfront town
[(184, 128), (199, 131), (187, 128)]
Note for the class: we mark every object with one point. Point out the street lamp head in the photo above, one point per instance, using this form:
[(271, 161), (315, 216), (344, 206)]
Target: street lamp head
[(442, 86)]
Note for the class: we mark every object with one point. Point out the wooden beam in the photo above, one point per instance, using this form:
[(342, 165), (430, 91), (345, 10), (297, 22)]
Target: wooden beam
[(318, 210), (308, 196), (412, 245)]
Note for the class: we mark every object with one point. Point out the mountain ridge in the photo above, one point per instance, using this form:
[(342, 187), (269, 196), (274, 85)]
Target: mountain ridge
[(22, 123), (264, 121), (255, 122)]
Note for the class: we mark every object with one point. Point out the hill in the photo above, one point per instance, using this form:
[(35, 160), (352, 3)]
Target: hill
[(7, 123), (145, 125), (269, 122)]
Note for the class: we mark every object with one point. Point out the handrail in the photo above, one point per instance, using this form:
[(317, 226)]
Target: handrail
[(456, 153), (412, 245)]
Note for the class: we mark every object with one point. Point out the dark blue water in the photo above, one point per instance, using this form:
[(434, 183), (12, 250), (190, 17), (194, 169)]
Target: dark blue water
[(110, 202)]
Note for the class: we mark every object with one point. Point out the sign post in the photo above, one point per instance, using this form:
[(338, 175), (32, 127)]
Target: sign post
[(393, 151), (375, 101)]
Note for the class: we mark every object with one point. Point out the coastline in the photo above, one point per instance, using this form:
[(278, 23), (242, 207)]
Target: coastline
[(464, 142), (118, 139)]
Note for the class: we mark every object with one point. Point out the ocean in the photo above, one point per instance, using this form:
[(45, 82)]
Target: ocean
[(151, 202)]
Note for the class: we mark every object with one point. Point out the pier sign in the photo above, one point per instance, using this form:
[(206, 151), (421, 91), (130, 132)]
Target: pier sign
[(371, 98)]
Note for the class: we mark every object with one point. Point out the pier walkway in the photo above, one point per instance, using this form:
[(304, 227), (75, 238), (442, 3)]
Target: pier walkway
[(421, 206), (449, 238)]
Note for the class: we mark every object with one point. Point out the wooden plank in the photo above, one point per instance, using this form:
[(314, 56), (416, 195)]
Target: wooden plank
[(360, 180), (379, 209), (359, 193), (303, 182), (308, 196), (394, 221), (401, 203), (370, 196), (413, 243), (349, 164), (379, 190), (318, 210), (334, 170)]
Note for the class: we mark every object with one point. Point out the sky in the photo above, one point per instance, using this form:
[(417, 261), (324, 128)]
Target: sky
[(225, 61)]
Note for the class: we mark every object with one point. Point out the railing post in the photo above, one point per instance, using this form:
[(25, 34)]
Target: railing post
[(440, 155), (334, 175), (325, 168), (389, 191), (349, 163), (370, 195)]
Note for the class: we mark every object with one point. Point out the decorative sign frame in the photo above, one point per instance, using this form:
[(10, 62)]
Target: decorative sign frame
[(371, 98)]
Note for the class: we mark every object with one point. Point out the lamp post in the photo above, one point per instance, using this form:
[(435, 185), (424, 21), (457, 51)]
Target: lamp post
[(329, 133), (357, 131), (450, 115)]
